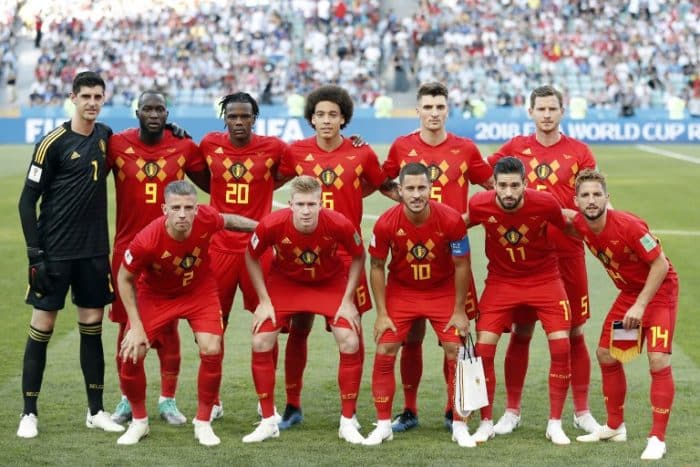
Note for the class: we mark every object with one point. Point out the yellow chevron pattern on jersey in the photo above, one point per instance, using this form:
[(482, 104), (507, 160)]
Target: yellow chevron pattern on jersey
[(46, 142)]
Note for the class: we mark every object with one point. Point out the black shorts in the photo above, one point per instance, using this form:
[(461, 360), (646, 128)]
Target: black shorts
[(89, 279)]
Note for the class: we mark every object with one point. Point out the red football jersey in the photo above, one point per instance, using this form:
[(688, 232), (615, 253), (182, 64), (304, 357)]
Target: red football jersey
[(625, 247), (340, 172), (453, 164), (169, 267), (141, 173), (242, 181), (306, 257), (553, 169), (421, 256), (516, 243)]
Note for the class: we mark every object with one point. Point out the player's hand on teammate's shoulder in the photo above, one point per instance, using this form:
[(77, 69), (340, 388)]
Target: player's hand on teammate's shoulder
[(358, 141), (177, 130)]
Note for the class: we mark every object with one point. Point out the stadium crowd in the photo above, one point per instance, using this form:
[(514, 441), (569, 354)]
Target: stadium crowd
[(633, 53)]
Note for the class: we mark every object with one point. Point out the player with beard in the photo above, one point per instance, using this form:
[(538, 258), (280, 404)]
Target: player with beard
[(552, 160), (647, 306), (523, 277)]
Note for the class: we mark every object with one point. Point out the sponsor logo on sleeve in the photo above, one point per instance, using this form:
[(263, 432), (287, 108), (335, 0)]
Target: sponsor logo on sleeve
[(254, 240), (128, 257)]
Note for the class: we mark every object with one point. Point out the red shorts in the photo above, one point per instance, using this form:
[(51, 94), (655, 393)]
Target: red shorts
[(658, 322), (200, 307), (575, 279), (363, 301), (501, 302), (284, 324), (230, 273), (117, 312)]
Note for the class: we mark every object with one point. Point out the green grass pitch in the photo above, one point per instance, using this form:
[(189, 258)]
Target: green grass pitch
[(663, 190)]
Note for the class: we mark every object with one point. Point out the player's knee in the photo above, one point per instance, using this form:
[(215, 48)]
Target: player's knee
[(209, 344), (451, 349), (658, 361), (263, 341), (388, 348), (349, 343), (43, 321), (604, 357)]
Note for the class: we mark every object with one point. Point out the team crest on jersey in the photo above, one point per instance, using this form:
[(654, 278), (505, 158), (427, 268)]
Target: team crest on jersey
[(308, 257), (151, 169), (103, 146), (187, 262), (237, 170), (419, 251), (513, 236), (435, 172), (543, 171), (328, 177)]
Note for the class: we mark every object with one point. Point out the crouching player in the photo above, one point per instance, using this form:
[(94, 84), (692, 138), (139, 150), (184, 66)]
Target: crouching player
[(427, 280), (170, 260), (308, 275), (647, 304)]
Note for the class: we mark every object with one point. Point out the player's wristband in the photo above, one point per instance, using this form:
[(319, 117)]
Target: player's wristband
[(35, 252)]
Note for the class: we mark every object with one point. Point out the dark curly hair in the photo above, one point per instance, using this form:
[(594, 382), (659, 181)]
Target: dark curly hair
[(242, 97), (331, 93)]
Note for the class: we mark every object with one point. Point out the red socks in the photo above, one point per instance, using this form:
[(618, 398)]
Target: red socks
[(614, 391), (208, 382), (559, 375), (580, 373), (383, 385), (169, 355), (515, 369), (133, 382), (661, 395), (263, 367), (294, 364), (487, 352), (411, 371), (349, 378)]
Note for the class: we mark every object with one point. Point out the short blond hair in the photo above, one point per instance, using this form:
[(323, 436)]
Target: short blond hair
[(304, 184), (590, 175)]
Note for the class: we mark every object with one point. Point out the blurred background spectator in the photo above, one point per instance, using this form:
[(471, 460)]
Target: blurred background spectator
[(644, 52)]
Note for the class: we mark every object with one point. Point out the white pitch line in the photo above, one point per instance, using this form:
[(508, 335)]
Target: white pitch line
[(665, 153), (689, 233)]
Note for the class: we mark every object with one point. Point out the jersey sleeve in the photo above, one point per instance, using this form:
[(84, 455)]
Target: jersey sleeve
[(391, 164), (136, 257), (457, 235), (588, 159), (474, 211), (259, 241), (503, 151), (195, 158), (556, 218), (641, 241), (210, 218), (349, 237), (479, 170), (286, 167), (371, 170), (44, 161), (380, 241)]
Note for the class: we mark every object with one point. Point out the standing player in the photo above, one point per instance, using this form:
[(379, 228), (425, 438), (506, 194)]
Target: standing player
[(243, 169), (347, 173), (307, 274), (144, 160), (427, 279), (170, 260), (552, 161), (647, 304), (453, 162), (68, 247), (523, 277)]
